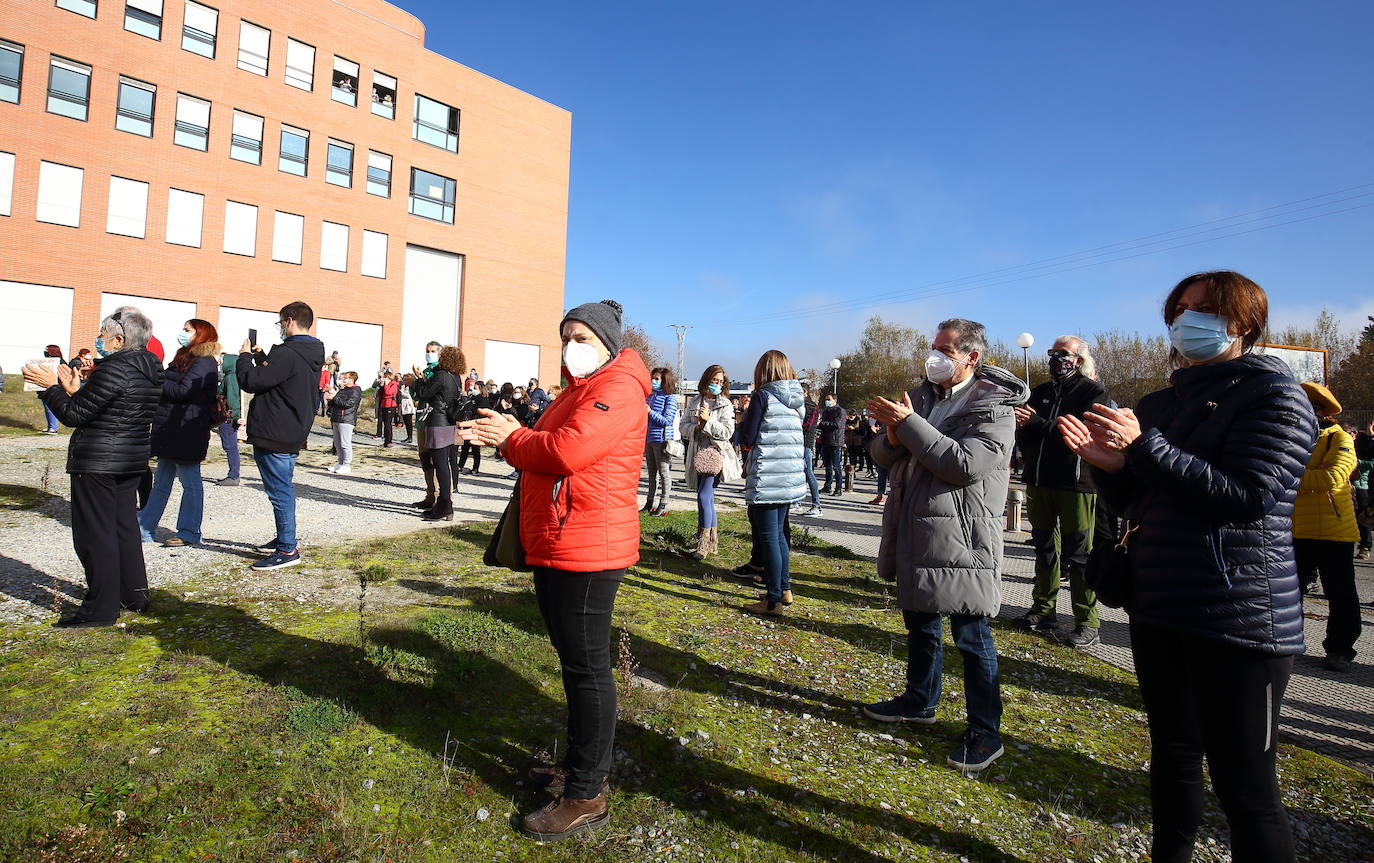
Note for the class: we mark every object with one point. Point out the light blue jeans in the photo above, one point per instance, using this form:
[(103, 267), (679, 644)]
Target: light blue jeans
[(192, 509)]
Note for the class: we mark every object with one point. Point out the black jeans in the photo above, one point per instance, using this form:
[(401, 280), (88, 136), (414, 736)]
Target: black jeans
[(409, 420), (441, 461), (475, 451), (576, 607), (1362, 501), (1334, 563), (1205, 697), (106, 538)]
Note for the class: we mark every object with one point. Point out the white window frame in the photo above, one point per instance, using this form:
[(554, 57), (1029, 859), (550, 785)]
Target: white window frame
[(76, 69), (253, 37), (240, 229), (380, 161), (152, 9), (379, 108), (193, 22), (288, 236), (18, 83), (281, 154), (6, 183), (342, 66), (127, 213), (338, 177), (185, 218), (190, 112), (56, 185), (300, 68), (128, 117), (334, 247), (374, 254), (246, 131)]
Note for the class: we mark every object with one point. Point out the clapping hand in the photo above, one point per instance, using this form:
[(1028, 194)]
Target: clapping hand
[(41, 376), (69, 378), (489, 429), (1102, 440), (1023, 415), (888, 412)]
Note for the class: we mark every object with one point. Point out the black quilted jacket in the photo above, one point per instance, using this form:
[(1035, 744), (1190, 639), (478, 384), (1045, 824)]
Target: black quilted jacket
[(1048, 461), (1211, 483), (112, 414)]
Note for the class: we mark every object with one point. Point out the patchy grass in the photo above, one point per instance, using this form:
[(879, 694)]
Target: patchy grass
[(400, 731), (21, 413)]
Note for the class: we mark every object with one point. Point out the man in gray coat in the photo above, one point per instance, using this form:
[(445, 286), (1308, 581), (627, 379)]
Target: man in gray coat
[(947, 448)]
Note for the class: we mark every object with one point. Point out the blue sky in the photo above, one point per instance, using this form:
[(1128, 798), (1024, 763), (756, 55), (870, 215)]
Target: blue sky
[(734, 164)]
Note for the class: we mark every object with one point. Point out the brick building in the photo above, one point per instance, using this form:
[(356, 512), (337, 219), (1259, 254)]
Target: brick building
[(220, 159)]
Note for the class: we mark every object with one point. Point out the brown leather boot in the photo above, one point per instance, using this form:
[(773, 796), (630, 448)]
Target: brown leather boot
[(553, 778), (431, 491), (714, 540), (564, 817), (764, 608), (703, 547)]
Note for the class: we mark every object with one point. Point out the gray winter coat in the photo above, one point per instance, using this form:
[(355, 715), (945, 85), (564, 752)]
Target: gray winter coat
[(947, 489), (777, 448)]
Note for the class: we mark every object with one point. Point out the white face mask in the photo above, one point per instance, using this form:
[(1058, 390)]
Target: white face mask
[(580, 358), (940, 367), (432, 357)]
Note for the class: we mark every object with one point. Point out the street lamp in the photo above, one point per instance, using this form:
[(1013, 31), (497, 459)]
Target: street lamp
[(1024, 342), (835, 368)]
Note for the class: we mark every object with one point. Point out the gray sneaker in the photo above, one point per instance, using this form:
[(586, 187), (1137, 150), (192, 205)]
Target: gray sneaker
[(1080, 636), (228, 480)]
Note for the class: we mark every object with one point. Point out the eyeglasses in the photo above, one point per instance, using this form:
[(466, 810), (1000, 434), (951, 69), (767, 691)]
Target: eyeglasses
[(1058, 353)]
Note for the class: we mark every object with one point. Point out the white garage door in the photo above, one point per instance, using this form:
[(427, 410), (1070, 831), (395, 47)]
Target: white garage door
[(235, 323), (359, 347), (32, 317), (429, 307), (168, 316), (511, 362)]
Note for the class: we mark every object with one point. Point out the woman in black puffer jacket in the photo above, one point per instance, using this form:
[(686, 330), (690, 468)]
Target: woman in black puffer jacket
[(108, 453), (1204, 475), (436, 397)]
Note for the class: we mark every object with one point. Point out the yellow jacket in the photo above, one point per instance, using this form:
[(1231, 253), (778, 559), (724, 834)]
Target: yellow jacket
[(1325, 508)]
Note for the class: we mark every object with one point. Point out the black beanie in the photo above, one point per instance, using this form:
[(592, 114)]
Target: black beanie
[(602, 318)]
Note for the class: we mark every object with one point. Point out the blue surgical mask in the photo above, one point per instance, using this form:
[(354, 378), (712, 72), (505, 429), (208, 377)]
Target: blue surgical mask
[(1200, 336), (656, 384), (100, 347), (713, 389), (184, 339)]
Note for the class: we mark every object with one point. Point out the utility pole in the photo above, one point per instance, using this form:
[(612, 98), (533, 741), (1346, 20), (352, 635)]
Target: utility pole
[(681, 330)]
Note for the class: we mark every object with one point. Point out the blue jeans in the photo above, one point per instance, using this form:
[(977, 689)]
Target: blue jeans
[(229, 439), (811, 479), (192, 508), (278, 470), (52, 418), (766, 521), (925, 662), (882, 481), (706, 501), (834, 465)]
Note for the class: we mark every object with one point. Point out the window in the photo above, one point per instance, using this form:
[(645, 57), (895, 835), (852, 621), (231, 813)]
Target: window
[(383, 95), (338, 167), (334, 247), (436, 123), (69, 88), (378, 174), (300, 64), (286, 237), (135, 112), (144, 17), (245, 142), (431, 195), (374, 254), (80, 7), (184, 213), (198, 29), (59, 194), (11, 71), (193, 123), (254, 43), (295, 150), (345, 81), (128, 213), (240, 228), (6, 183)]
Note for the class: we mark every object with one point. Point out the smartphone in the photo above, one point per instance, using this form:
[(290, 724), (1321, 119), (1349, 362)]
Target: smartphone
[(253, 338)]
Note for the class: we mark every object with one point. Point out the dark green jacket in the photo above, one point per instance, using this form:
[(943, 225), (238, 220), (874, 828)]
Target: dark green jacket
[(229, 385)]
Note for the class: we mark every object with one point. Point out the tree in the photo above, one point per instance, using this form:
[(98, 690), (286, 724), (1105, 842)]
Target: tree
[(1367, 334), (1325, 333), (888, 360), (1130, 365), (1353, 381), (638, 340)]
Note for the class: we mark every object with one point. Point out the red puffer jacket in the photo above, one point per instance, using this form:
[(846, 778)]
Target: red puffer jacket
[(579, 470)]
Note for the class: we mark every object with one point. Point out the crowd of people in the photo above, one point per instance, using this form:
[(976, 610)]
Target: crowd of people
[(1205, 511)]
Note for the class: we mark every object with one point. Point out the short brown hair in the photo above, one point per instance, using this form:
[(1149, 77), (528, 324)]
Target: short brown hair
[(451, 359), (1237, 299), (299, 312), (773, 366), (669, 379), (705, 379)]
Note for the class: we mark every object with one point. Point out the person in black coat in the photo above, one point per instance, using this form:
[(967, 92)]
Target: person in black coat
[(831, 426), (1061, 500), (181, 433), (1204, 475), (471, 404), (436, 397), (107, 455)]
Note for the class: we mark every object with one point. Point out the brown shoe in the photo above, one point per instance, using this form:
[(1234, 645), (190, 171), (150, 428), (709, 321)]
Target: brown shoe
[(174, 542), (763, 607), (564, 817), (703, 546)]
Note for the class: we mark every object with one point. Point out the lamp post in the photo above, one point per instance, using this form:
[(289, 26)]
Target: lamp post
[(835, 383), (1024, 342)]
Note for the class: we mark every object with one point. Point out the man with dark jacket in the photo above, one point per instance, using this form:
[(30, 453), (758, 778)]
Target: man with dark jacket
[(1060, 498), (831, 426), (280, 417)]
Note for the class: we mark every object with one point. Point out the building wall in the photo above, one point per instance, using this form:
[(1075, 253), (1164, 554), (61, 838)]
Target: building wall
[(511, 173)]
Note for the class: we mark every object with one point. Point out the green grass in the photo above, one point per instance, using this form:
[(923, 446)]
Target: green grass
[(398, 730), (20, 413)]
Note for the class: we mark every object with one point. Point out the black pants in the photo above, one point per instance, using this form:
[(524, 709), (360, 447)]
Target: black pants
[(1334, 564), (576, 607), (441, 462), (475, 451), (385, 424), (107, 541), (409, 420), (1203, 696), (1361, 503), (145, 486)]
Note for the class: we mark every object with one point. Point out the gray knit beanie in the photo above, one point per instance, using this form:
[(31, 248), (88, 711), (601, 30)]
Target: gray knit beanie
[(602, 318)]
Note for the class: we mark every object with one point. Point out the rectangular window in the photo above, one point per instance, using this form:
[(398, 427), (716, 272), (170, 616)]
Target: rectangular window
[(193, 122), (286, 237), (300, 64), (378, 174), (198, 29), (374, 254), (295, 150), (135, 112), (11, 70), (245, 142), (143, 17), (59, 194), (128, 213), (254, 44), (436, 123), (345, 81), (80, 7), (6, 183), (383, 95), (185, 211), (431, 195), (240, 228), (334, 247), (338, 167), (69, 88)]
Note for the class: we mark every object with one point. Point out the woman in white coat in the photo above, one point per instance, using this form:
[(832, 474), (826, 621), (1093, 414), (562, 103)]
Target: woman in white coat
[(707, 426)]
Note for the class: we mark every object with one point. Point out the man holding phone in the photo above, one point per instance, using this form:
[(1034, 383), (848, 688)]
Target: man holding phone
[(280, 417)]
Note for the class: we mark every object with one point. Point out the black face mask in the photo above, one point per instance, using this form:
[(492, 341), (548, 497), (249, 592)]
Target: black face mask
[(1063, 367)]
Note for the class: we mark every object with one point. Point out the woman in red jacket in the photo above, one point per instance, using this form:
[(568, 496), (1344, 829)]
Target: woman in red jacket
[(579, 524)]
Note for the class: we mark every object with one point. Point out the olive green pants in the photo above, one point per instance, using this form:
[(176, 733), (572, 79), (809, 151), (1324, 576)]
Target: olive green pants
[(1062, 534)]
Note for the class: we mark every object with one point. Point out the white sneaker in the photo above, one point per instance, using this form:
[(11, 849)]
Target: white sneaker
[(332, 468), (343, 468), (813, 512)]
